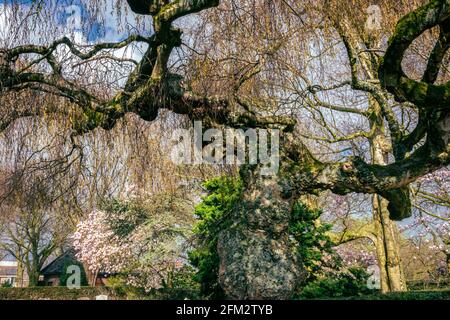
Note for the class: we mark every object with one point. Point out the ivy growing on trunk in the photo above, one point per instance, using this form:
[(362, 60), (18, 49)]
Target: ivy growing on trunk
[(311, 237), (224, 194)]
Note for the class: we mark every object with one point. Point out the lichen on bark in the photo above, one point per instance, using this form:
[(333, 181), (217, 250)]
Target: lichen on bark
[(258, 260)]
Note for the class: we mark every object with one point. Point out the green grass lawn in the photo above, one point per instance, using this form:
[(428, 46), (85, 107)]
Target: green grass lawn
[(442, 294)]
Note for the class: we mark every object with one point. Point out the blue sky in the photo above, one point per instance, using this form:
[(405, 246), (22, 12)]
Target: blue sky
[(94, 28)]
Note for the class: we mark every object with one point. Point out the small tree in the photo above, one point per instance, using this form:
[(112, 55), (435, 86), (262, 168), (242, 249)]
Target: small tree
[(31, 230)]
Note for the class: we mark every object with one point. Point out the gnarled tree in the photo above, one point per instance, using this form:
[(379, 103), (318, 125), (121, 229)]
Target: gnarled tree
[(256, 256)]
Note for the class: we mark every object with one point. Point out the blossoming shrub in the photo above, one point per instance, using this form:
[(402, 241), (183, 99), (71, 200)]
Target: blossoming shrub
[(141, 241)]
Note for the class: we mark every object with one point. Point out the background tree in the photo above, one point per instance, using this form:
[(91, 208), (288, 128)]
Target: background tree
[(31, 231), (142, 239)]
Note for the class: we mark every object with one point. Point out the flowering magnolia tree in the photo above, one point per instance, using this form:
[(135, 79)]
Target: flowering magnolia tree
[(356, 255), (98, 247), (142, 240), (430, 224)]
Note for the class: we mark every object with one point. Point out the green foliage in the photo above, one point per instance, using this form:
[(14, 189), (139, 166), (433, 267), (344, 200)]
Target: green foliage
[(353, 282), (124, 216), (183, 279), (206, 260), (182, 286), (64, 275), (6, 285), (118, 284), (410, 295), (310, 235), (223, 194)]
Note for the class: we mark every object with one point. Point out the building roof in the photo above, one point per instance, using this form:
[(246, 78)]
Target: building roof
[(56, 267), (5, 256)]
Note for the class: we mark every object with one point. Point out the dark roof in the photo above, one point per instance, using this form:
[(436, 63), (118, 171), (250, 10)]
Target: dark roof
[(8, 271), (56, 266)]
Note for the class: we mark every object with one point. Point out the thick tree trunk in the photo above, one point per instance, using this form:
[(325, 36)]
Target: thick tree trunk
[(258, 260), (20, 274), (448, 263), (447, 252), (34, 266), (387, 246), (33, 276)]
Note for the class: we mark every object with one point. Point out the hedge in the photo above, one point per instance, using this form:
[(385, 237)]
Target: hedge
[(410, 295), (55, 293), (63, 293), (116, 293)]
